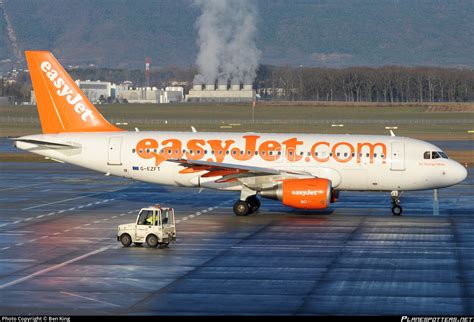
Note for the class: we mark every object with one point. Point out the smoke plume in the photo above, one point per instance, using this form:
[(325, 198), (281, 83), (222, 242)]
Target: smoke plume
[(226, 40)]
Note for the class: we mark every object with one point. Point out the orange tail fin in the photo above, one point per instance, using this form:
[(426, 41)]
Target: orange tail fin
[(62, 106)]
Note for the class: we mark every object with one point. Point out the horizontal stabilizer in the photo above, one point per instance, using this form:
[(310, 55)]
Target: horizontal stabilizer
[(49, 144)]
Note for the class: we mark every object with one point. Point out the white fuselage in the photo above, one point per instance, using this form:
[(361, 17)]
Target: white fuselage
[(351, 162)]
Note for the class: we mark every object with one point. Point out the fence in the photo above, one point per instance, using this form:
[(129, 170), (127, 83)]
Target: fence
[(11, 119)]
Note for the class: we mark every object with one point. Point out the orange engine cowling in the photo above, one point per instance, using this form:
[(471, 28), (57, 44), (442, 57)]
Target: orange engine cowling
[(302, 193)]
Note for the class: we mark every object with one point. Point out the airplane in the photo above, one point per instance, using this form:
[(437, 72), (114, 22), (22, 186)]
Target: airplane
[(304, 171)]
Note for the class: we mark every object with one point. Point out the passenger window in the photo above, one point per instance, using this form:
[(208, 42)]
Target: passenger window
[(427, 155), (435, 155)]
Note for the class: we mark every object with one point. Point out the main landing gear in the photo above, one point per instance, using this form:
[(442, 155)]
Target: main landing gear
[(244, 208), (397, 210)]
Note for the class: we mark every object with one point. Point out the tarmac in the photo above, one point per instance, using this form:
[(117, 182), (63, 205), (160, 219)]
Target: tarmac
[(59, 254)]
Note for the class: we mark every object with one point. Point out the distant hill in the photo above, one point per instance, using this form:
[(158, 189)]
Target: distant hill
[(336, 33)]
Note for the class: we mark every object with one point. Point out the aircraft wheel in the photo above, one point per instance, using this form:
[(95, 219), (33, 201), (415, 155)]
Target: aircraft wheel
[(152, 241), (397, 210), (126, 240), (254, 203), (241, 208)]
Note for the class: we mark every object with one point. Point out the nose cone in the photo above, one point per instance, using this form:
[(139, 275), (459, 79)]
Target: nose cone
[(458, 173)]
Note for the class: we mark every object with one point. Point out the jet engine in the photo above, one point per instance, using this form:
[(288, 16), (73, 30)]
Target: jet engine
[(302, 193)]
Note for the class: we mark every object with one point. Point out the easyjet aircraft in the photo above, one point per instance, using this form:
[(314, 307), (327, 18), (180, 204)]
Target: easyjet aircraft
[(304, 171)]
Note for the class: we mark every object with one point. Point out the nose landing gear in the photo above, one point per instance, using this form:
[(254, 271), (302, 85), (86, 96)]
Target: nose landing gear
[(397, 210)]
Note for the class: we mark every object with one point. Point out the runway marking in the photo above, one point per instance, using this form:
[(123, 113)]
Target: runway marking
[(77, 227), (67, 230), (89, 298), (32, 241), (69, 199), (58, 212), (19, 244), (97, 221), (130, 211), (42, 237), (20, 187), (55, 234), (60, 201), (192, 216), (5, 248), (87, 225), (114, 217), (105, 219), (204, 211), (55, 267)]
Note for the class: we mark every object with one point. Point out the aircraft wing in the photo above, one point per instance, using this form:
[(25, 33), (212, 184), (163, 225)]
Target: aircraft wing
[(232, 172)]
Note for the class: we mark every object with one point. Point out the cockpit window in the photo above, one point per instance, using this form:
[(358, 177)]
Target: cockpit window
[(435, 155), (443, 155), (427, 155)]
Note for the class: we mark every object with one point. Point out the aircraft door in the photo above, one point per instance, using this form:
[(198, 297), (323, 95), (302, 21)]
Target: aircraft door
[(397, 158), (115, 145)]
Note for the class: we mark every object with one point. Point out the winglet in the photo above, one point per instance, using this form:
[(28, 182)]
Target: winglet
[(62, 106)]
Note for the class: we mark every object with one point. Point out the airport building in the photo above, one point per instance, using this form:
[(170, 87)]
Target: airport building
[(140, 95), (124, 92), (222, 93), (173, 94), (94, 90)]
